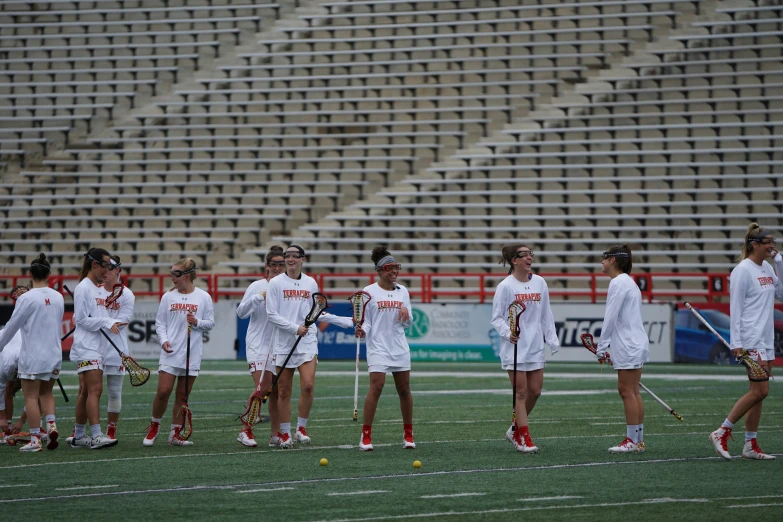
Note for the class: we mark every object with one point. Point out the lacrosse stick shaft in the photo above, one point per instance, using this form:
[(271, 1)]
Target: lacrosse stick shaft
[(708, 325), (356, 384), (62, 390), (514, 393), (187, 366), (70, 333), (658, 400), (277, 377)]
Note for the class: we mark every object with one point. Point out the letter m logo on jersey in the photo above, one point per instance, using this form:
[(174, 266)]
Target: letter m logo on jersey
[(47, 302)]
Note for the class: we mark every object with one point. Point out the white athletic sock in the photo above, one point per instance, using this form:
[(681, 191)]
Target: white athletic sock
[(50, 418), (630, 431), (78, 430), (640, 433), (727, 424), (36, 432), (750, 435), (301, 422), (156, 421), (95, 430), (285, 427)]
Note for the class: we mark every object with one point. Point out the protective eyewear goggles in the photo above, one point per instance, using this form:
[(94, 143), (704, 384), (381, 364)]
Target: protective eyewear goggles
[(180, 273), (764, 241), (607, 255), (101, 263), (276, 264), (293, 255), (390, 267), (524, 253)]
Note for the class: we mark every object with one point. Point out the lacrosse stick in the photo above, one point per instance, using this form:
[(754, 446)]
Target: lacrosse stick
[(187, 415), (319, 305), (589, 343), (359, 301), (515, 310), (137, 374), (16, 293), (252, 415), (115, 294), (756, 372), (16, 438)]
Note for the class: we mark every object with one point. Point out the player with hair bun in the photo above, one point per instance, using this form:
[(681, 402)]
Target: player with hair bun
[(258, 343), (38, 314), (623, 331), (754, 287), (387, 314), (536, 326)]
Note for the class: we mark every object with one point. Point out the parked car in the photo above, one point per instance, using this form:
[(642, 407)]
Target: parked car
[(693, 342), (778, 317)]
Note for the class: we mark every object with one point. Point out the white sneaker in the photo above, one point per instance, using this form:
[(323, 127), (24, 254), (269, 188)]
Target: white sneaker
[(153, 430), (753, 452), (246, 438), (626, 446), (82, 442), (33, 446), (407, 440), (523, 443), (365, 441), (103, 441), (301, 436), (69, 439), (286, 442), (177, 440), (510, 434), (720, 439), (274, 441)]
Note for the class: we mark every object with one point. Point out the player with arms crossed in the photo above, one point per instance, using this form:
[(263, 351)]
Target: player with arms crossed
[(623, 331), (258, 343), (183, 307), (754, 287), (38, 314), (386, 316), (121, 311), (288, 301), (89, 348), (536, 326)]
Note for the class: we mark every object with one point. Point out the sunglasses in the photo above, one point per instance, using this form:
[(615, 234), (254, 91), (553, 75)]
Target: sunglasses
[(524, 253), (293, 255), (390, 267), (276, 264), (180, 273), (607, 255)]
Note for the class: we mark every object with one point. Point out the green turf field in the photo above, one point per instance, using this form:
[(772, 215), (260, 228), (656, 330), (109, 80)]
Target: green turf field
[(469, 471)]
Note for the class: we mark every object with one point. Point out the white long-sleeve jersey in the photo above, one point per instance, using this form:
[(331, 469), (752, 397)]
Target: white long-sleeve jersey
[(536, 325), (260, 331), (384, 331), (171, 325), (752, 292), (90, 315), (288, 301), (9, 359), (623, 329), (121, 311), (38, 314)]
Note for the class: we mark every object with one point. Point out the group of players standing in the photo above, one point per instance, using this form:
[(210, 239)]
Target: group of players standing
[(277, 306)]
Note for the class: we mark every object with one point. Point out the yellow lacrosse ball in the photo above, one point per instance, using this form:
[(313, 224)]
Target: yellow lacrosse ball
[(417, 464), (324, 462)]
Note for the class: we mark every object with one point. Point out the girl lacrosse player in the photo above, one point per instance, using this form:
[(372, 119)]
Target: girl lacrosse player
[(288, 301), (184, 305), (89, 348), (536, 326), (623, 331), (9, 381), (754, 287), (385, 319), (38, 314), (258, 343), (121, 311)]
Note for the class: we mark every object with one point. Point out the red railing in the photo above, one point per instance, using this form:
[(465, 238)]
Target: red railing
[(428, 288)]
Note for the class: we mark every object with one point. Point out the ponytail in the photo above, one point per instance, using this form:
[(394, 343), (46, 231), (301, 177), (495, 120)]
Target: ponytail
[(40, 268)]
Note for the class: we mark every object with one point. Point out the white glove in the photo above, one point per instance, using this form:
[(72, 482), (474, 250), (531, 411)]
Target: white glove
[(554, 348)]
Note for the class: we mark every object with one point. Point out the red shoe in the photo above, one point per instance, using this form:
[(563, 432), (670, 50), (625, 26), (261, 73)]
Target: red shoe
[(720, 441), (365, 443), (152, 433), (300, 435), (407, 440), (286, 441), (522, 440), (111, 432), (753, 452), (246, 437)]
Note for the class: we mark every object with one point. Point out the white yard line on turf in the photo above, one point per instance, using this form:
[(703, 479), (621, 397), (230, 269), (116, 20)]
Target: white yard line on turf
[(264, 489), (754, 505), (531, 508), (15, 486), (300, 482), (454, 495), (371, 492), (538, 499), (88, 487), (754, 497)]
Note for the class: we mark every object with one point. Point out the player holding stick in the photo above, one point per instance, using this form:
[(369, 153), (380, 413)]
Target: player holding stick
[(754, 287), (258, 343), (38, 314), (121, 311), (182, 306), (386, 316), (623, 330), (288, 301), (536, 326)]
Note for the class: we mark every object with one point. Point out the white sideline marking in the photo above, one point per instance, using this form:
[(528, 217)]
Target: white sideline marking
[(370, 492), (537, 499), (372, 477), (454, 495), (754, 505), (16, 486), (264, 489), (531, 508), (88, 487), (746, 498)]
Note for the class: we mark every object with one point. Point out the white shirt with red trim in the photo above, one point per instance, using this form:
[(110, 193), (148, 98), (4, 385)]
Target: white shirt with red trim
[(38, 314), (384, 331), (171, 325), (752, 292), (90, 315)]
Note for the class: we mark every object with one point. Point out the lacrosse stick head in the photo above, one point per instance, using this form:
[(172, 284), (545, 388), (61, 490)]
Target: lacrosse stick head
[(14, 439), (756, 372), (18, 291), (359, 300), (187, 422), (319, 305), (588, 342), (515, 310), (115, 294), (252, 415), (138, 374)]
